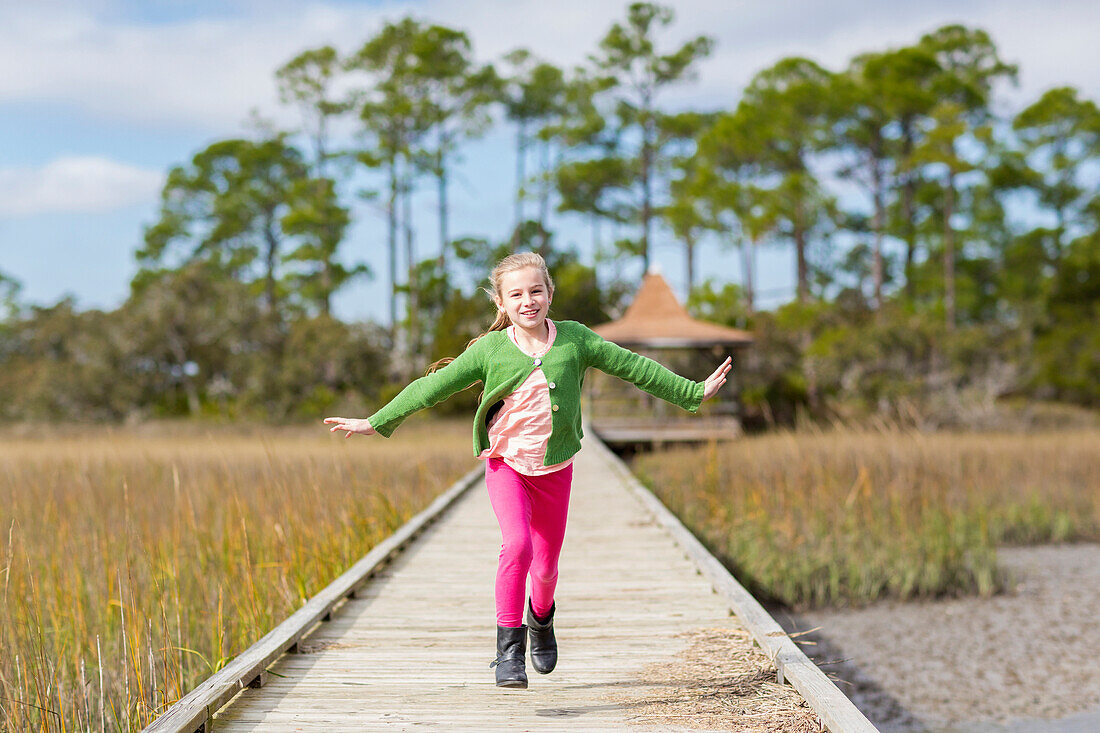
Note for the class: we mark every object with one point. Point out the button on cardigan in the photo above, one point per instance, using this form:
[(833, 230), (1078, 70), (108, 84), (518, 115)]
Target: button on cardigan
[(502, 366)]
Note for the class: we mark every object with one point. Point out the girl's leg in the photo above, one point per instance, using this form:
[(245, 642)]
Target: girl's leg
[(549, 510), (513, 510)]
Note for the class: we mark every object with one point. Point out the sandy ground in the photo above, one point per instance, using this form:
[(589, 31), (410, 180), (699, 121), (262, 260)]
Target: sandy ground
[(1028, 660)]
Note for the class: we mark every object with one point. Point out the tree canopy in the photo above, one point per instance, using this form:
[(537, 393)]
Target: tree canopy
[(939, 243)]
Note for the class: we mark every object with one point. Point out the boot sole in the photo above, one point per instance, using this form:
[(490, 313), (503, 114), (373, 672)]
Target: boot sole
[(514, 684)]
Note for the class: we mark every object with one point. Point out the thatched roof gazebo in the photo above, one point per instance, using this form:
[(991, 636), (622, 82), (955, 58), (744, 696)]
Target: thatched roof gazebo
[(658, 326)]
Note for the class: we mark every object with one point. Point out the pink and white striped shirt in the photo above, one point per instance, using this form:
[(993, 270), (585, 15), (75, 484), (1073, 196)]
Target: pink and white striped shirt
[(520, 430)]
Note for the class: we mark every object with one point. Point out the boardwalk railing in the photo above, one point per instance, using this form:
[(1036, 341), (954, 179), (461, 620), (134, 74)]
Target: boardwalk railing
[(192, 713), (838, 713)]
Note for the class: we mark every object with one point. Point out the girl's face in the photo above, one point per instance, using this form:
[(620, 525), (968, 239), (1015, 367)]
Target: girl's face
[(524, 297)]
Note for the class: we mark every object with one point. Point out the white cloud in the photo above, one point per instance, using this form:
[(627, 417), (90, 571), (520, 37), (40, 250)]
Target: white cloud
[(75, 184), (207, 72), (1054, 44)]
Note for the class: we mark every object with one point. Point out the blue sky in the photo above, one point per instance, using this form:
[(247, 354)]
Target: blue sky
[(98, 98)]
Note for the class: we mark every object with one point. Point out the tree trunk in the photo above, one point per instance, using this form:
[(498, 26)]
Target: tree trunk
[(444, 235), (270, 257), (544, 198), (1059, 234), (908, 195), (878, 224), (596, 243), (326, 287), (413, 300), (194, 404), (748, 249), (391, 223), (320, 167), (803, 271), (319, 145), (1060, 211), (521, 161), (647, 203), (949, 252), (689, 247)]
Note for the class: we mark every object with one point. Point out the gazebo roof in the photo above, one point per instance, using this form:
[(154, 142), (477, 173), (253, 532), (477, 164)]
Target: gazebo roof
[(657, 319)]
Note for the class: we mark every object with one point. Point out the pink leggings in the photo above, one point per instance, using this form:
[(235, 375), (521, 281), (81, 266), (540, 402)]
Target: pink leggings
[(531, 511)]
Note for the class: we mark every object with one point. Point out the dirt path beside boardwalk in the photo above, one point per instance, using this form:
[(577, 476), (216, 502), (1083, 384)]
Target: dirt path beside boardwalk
[(1028, 660)]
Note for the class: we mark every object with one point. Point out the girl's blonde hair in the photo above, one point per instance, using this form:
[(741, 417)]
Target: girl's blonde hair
[(511, 263)]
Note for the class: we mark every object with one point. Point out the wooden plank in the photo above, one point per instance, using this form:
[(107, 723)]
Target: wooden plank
[(193, 711), (835, 709)]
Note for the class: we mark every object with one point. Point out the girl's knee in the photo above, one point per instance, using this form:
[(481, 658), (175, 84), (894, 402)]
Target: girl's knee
[(517, 551), (543, 573)]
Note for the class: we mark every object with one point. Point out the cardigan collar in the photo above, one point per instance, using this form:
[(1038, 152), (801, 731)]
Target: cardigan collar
[(553, 333)]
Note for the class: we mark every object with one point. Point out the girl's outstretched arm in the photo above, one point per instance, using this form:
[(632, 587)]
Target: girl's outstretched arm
[(649, 375), (424, 392)]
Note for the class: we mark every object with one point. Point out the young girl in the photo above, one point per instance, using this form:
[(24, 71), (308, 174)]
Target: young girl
[(528, 429)]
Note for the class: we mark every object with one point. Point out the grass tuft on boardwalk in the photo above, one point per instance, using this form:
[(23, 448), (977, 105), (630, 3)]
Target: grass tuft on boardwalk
[(844, 518)]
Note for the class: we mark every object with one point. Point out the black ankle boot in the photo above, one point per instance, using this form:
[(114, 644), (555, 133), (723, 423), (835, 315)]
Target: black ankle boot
[(511, 650), (544, 647)]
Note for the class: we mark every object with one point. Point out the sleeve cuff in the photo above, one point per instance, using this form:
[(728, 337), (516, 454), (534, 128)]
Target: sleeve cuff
[(380, 426), (697, 397)]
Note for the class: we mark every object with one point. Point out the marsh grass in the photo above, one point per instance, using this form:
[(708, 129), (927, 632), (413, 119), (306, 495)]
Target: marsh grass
[(844, 518), (135, 564)]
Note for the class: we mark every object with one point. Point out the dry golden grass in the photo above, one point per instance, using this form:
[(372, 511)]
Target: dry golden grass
[(135, 562), (847, 517), (719, 681)]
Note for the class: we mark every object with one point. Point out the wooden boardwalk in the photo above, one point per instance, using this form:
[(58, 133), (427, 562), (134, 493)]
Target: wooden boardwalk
[(412, 649)]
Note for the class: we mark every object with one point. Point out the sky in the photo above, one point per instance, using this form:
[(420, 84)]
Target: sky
[(100, 98)]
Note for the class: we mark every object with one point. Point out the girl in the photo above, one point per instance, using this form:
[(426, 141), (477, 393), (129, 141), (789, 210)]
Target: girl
[(527, 428)]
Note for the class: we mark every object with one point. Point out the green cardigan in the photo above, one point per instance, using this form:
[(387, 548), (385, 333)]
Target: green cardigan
[(495, 360)]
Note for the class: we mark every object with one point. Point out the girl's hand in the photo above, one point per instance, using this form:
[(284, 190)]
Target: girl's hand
[(351, 424), (715, 381)]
